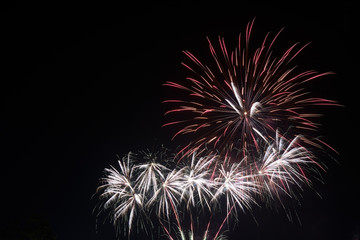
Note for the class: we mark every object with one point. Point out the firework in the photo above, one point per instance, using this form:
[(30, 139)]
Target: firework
[(136, 189), (197, 181), (236, 185), (120, 194), (283, 168), (237, 157), (244, 98)]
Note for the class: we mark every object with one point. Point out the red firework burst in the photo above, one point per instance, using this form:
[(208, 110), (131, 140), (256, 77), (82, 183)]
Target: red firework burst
[(241, 102)]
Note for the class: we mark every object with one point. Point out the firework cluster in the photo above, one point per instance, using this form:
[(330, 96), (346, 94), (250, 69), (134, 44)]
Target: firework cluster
[(236, 157)]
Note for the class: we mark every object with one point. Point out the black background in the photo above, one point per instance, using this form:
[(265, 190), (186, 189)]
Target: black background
[(82, 82)]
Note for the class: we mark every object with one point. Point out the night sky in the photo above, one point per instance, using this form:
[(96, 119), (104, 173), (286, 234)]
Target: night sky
[(82, 83)]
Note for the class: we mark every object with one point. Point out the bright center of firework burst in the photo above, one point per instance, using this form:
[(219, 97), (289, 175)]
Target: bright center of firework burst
[(227, 183), (138, 198)]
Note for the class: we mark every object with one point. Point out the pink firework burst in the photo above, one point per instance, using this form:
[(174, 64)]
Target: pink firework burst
[(245, 98)]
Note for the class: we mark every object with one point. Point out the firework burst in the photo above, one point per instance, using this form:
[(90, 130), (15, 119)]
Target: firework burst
[(120, 194), (245, 98), (237, 186), (282, 168), (197, 179)]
